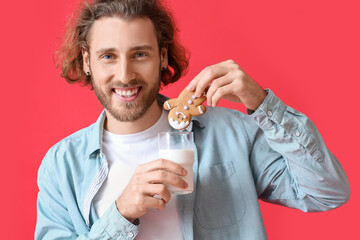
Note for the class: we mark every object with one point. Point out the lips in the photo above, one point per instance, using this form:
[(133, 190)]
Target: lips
[(127, 92)]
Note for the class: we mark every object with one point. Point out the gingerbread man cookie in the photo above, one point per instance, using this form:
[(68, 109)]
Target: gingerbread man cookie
[(183, 107)]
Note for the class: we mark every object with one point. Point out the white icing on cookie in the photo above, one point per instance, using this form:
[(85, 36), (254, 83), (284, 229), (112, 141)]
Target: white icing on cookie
[(168, 105), (177, 125), (200, 111)]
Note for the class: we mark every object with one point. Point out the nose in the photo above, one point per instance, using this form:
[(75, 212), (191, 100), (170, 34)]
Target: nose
[(124, 71)]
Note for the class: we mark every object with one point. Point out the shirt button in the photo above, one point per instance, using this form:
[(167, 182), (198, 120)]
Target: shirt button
[(269, 113), (130, 234), (97, 181), (297, 133)]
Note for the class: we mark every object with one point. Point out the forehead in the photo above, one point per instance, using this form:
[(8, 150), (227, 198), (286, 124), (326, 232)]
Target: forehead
[(116, 32)]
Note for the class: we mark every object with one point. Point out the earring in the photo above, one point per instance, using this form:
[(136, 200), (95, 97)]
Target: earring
[(88, 76), (163, 70)]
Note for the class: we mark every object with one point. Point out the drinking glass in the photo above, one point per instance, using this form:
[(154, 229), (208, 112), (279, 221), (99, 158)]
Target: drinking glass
[(179, 148)]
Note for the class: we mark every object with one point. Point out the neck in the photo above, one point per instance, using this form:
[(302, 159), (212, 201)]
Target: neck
[(150, 117)]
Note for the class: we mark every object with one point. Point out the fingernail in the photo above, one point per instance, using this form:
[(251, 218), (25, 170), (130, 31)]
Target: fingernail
[(197, 94), (189, 87), (183, 171)]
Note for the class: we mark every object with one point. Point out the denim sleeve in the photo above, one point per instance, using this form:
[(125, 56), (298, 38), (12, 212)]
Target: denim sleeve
[(59, 217), (291, 164)]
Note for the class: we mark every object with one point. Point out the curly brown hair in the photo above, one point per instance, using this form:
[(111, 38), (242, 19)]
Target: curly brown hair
[(69, 56)]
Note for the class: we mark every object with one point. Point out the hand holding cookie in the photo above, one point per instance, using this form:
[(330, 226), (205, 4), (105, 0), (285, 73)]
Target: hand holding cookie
[(227, 80), (183, 107)]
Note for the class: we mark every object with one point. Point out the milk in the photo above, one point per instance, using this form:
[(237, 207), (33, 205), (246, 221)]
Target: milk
[(185, 158)]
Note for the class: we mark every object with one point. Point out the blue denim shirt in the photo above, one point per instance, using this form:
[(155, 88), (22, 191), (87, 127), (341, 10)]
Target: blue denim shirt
[(275, 154)]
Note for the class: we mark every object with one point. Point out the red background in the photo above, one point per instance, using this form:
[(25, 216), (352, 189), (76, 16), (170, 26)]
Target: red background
[(306, 51)]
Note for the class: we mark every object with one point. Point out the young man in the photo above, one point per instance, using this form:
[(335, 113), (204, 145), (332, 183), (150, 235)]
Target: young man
[(105, 181)]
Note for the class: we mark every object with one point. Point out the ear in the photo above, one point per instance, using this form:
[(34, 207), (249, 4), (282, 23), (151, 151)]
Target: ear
[(164, 57), (86, 60)]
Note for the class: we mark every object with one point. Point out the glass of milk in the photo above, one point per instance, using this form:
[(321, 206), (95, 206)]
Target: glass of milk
[(179, 148)]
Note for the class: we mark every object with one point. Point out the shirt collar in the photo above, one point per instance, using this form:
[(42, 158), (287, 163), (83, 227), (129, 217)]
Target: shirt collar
[(95, 135)]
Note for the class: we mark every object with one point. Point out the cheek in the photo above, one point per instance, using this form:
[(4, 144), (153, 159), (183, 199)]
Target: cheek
[(102, 73), (149, 70)]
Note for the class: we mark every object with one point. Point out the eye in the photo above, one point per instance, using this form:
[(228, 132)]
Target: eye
[(108, 57), (140, 54)]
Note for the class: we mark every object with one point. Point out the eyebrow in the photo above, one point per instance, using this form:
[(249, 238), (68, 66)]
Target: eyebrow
[(142, 47), (105, 50), (136, 48)]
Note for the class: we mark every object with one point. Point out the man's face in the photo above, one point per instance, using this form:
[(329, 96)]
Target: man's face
[(125, 65)]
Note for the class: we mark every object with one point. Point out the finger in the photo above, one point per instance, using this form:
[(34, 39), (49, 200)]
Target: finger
[(162, 164), (192, 85), (152, 202), (207, 88), (221, 92), (160, 190), (215, 85), (207, 77), (165, 177), (204, 78)]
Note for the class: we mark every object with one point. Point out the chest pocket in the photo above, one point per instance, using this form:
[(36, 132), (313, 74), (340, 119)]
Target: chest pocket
[(219, 199)]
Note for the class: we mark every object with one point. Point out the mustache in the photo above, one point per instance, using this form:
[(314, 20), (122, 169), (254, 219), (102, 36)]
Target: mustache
[(132, 83)]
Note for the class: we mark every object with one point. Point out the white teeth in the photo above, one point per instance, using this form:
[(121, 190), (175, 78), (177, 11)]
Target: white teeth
[(126, 93)]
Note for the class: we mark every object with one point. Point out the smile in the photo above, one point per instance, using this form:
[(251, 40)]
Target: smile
[(126, 93)]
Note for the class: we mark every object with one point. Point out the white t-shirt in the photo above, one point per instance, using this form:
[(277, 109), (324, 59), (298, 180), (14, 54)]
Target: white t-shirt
[(124, 153)]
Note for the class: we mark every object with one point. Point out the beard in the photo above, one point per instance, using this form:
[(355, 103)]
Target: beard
[(130, 111)]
